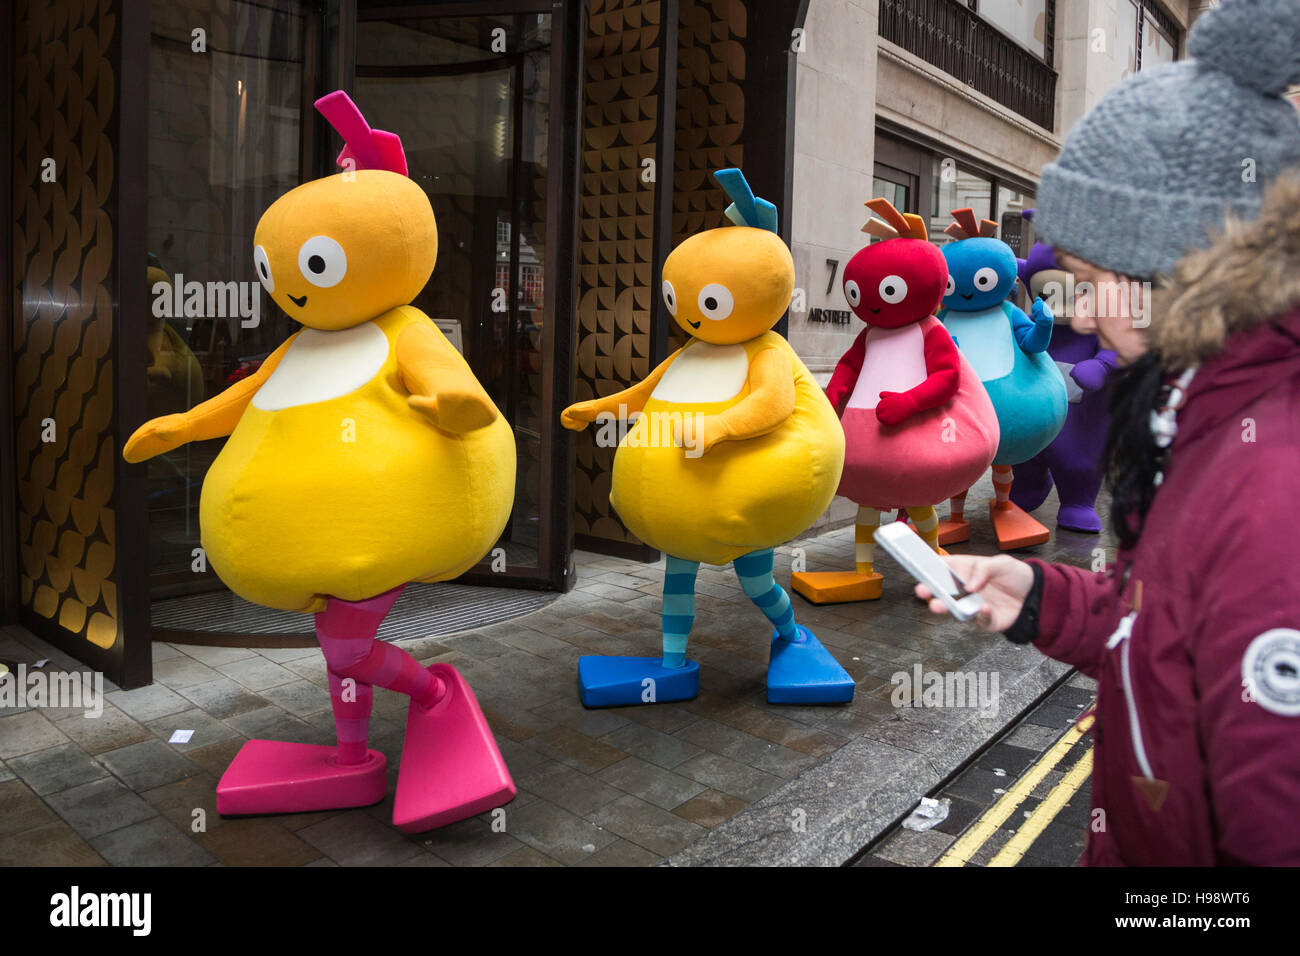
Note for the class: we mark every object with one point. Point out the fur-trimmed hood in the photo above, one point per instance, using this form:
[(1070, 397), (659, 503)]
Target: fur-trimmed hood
[(1248, 276)]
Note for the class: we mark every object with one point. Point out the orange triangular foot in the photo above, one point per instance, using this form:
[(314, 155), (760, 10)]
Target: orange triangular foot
[(950, 532), (954, 532), (836, 587), (1015, 527)]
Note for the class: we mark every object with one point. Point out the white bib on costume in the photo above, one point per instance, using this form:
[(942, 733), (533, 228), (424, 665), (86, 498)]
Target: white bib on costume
[(895, 362), (322, 365), (704, 373), (986, 339)]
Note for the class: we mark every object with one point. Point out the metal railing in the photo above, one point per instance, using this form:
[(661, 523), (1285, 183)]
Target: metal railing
[(951, 36)]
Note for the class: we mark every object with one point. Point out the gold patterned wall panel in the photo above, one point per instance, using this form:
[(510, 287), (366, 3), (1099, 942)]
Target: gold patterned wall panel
[(64, 108), (710, 116), (616, 228), (710, 110)]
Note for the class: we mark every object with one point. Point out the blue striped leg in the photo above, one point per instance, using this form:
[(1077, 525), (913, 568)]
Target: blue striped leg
[(621, 681), (755, 573), (679, 608), (800, 670)]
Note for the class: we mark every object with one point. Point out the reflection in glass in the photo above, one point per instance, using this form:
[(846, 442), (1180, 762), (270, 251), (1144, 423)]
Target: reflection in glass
[(955, 188), (1025, 21), (474, 123), (1157, 48), (223, 145), (1126, 38), (896, 193), (1012, 201)]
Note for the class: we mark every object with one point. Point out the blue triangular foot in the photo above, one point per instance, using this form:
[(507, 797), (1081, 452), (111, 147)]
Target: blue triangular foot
[(804, 672), (622, 681)]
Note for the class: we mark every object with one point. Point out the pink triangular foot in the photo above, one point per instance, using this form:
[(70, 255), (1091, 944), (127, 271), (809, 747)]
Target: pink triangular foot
[(451, 767), (268, 776)]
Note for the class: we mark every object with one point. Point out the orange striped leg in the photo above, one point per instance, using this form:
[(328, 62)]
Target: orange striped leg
[(958, 503), (1002, 484)]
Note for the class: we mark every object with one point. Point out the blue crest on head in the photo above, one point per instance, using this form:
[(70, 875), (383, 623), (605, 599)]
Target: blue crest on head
[(745, 209), (966, 258)]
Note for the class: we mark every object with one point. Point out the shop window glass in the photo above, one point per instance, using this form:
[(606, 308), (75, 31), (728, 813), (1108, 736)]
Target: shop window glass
[(953, 187), (896, 193), (1126, 37), (224, 143), (1025, 21), (1012, 227), (1157, 48), (475, 126)]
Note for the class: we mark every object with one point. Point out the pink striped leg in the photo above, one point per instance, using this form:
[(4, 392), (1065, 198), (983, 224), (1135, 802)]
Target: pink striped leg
[(357, 661)]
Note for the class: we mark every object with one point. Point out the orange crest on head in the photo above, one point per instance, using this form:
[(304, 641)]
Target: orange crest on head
[(893, 224), (966, 226)]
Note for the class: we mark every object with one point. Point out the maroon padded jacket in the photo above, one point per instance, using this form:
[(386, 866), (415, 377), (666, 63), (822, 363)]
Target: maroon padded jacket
[(1197, 736)]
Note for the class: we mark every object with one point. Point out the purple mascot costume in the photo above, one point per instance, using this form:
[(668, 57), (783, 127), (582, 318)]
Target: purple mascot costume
[(1073, 461)]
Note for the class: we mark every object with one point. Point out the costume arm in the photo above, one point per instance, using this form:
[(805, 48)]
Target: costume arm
[(1092, 374), (1032, 334), (846, 373), (769, 403), (942, 368), (630, 400), (214, 418), (440, 382)]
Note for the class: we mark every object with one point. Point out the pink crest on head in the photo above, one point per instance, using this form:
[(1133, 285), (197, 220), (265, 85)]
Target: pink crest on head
[(365, 147)]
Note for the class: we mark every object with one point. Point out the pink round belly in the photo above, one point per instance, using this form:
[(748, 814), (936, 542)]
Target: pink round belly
[(933, 455)]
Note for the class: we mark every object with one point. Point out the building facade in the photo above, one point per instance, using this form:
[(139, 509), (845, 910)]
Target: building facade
[(936, 105), (565, 145)]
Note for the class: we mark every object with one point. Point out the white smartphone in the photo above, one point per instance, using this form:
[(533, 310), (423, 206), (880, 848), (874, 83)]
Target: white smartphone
[(909, 550)]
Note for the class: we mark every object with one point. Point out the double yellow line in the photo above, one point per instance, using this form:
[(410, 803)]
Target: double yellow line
[(987, 826)]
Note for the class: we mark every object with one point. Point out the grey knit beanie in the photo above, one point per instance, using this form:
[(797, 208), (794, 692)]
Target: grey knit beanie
[(1164, 154)]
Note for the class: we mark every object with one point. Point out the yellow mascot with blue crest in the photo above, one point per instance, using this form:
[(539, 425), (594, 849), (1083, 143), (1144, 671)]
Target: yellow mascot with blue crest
[(735, 451)]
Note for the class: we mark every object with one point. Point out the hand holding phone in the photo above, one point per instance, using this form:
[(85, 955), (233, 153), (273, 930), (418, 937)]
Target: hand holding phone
[(1002, 581), (919, 559)]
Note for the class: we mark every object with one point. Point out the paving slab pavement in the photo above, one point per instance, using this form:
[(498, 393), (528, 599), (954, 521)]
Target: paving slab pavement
[(722, 779)]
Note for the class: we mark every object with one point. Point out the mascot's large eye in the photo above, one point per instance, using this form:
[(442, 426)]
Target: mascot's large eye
[(263, 264), (986, 279), (893, 289), (716, 302), (670, 298), (952, 286), (852, 292), (322, 261)]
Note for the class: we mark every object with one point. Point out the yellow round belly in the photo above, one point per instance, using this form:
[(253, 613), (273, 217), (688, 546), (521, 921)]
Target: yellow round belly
[(351, 497), (739, 497)]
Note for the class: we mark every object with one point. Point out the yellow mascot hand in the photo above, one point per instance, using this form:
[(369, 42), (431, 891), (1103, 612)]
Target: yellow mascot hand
[(577, 416), (157, 436), (456, 411), (697, 433)]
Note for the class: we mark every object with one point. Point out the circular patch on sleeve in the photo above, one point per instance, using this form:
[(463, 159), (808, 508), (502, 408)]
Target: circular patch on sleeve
[(1270, 671)]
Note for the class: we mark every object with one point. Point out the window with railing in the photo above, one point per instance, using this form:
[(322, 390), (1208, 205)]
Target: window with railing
[(953, 36)]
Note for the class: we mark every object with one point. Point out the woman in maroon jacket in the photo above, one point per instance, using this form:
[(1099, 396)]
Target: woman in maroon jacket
[(1193, 634)]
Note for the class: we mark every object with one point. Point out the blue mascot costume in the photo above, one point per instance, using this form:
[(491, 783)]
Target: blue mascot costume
[(1008, 351)]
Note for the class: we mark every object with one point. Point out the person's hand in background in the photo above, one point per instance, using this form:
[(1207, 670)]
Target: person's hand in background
[(1002, 581)]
